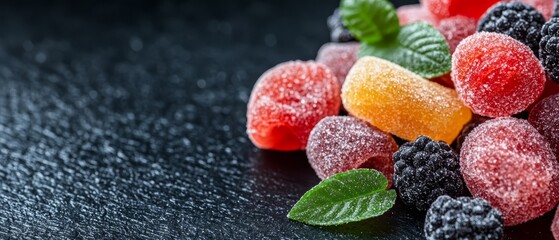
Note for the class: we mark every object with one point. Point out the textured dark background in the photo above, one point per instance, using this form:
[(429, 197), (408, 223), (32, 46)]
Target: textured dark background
[(127, 120)]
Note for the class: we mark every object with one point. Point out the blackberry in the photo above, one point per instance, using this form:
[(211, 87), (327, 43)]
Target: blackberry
[(517, 20), (463, 218), (549, 48), (338, 32), (424, 170)]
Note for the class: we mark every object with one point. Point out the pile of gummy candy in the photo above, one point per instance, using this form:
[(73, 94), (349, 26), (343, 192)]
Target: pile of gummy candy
[(476, 117)]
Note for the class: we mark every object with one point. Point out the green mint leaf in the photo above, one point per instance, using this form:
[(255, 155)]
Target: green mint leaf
[(350, 196), (418, 47), (370, 21)]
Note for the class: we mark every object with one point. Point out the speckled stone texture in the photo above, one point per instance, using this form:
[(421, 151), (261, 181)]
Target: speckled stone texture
[(128, 122)]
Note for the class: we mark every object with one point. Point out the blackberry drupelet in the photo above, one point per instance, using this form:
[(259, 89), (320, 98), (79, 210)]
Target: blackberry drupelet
[(517, 20), (463, 218), (338, 32), (549, 48), (424, 170)]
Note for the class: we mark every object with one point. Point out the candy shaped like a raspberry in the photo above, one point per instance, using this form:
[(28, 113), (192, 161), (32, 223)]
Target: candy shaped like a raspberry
[(455, 29), (463, 218), (508, 163), (549, 48), (414, 13), (515, 19), (287, 101), (496, 75), (338, 32), (424, 170), (545, 118), (338, 144), (339, 57), (442, 9)]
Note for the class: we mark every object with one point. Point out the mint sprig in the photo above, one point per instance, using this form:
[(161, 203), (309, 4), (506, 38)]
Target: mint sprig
[(417, 46), (370, 20), (350, 196)]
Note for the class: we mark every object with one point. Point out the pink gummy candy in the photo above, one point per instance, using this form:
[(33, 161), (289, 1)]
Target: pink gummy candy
[(287, 101), (455, 29), (555, 225), (508, 163), (545, 118), (338, 144), (339, 57), (414, 13), (496, 75)]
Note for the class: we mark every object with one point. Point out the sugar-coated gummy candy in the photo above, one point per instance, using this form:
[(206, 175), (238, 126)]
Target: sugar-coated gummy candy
[(545, 118), (456, 28), (442, 9), (339, 57), (398, 101), (496, 75), (287, 101), (555, 225), (414, 13), (551, 88), (341, 143), (508, 163)]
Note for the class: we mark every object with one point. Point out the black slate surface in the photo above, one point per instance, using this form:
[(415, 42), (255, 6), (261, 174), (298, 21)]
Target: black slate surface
[(127, 121)]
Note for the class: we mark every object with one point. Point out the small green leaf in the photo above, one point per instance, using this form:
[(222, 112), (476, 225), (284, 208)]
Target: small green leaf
[(350, 196), (370, 21), (419, 47)]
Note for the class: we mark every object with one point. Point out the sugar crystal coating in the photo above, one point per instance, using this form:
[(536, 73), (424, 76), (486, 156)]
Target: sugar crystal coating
[(287, 101), (555, 225), (400, 102), (495, 75), (341, 143), (508, 163), (414, 13), (454, 29), (545, 118), (339, 57), (442, 9)]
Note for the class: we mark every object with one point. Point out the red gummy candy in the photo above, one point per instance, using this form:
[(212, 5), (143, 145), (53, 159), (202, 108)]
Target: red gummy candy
[(444, 80), (555, 225), (339, 57), (414, 13), (338, 144), (508, 163), (545, 118), (455, 29), (496, 75), (287, 101), (442, 9)]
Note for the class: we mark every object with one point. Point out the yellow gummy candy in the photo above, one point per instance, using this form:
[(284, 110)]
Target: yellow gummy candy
[(398, 101)]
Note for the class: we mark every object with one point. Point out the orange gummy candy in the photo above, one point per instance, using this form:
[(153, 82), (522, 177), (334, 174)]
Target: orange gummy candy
[(398, 101)]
